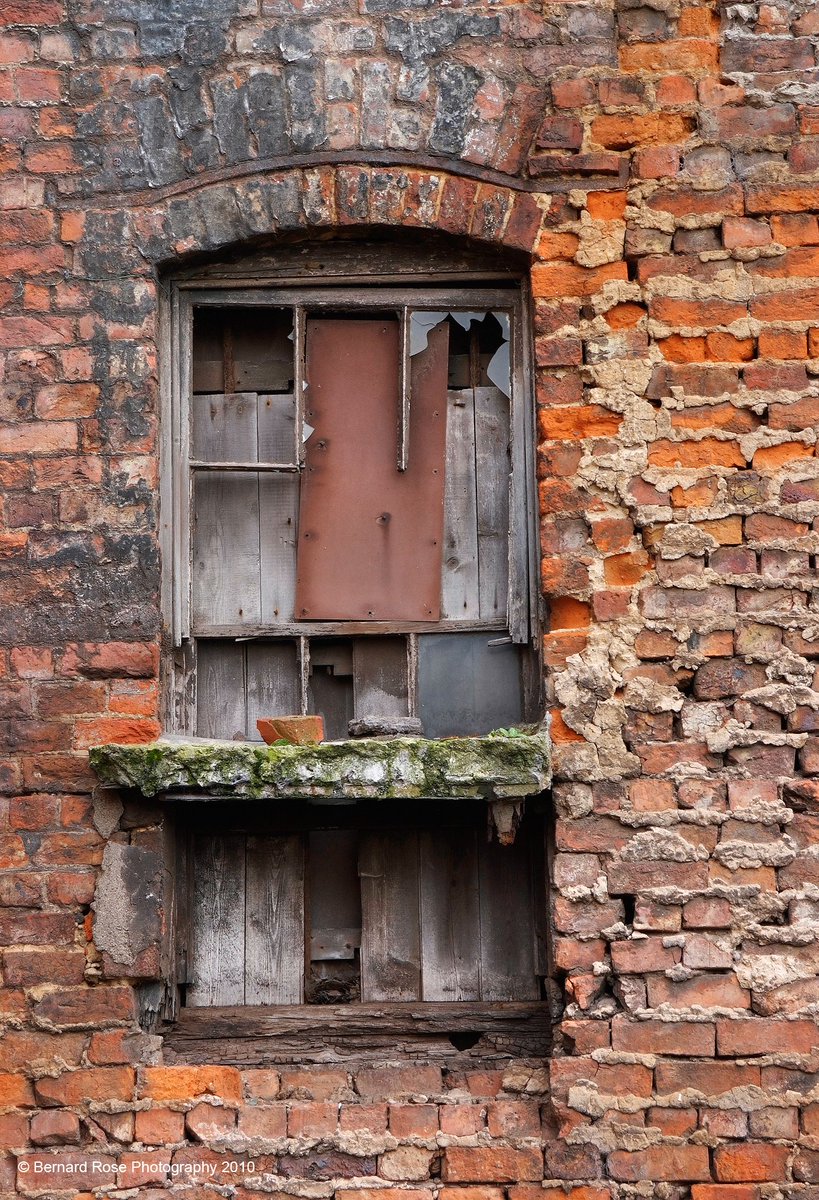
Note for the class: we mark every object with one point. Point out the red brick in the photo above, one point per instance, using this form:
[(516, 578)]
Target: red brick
[(753, 1162), (89, 1083), (263, 1121), (413, 1120), (160, 1127), (55, 1128), (660, 1163), (749, 1037), (675, 1038), (491, 1164), (710, 1078)]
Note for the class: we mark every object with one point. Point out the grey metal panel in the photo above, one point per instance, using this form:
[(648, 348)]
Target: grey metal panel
[(466, 685)]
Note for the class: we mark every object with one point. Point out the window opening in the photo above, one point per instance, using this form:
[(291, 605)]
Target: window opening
[(353, 466)]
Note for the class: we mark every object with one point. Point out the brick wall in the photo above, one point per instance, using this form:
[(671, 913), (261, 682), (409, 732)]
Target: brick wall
[(660, 163)]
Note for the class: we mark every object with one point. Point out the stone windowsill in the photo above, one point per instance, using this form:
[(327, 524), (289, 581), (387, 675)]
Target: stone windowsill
[(493, 768)]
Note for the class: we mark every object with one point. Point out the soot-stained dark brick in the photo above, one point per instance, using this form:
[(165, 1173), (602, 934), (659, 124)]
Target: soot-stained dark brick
[(186, 99), (299, 42), (205, 43), (307, 118), (230, 120), (643, 25), (159, 143), (266, 105), (425, 39), (161, 39), (331, 1164), (123, 301), (457, 86), (108, 250)]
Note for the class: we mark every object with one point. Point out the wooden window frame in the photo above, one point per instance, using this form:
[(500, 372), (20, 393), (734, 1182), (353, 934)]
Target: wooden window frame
[(180, 297)]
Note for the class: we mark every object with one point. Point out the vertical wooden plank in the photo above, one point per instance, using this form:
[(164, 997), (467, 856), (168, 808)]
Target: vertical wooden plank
[(450, 915), (459, 581), (226, 553), (182, 320), (380, 677), (216, 967), (274, 924), (276, 417), (225, 428), (508, 970), (492, 458), (523, 581), (278, 537), (221, 710), (390, 934), (272, 683)]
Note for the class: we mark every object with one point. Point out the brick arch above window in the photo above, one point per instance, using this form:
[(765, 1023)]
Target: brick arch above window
[(131, 235)]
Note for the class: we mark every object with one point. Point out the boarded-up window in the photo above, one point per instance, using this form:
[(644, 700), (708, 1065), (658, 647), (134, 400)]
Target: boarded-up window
[(353, 511), (397, 905)]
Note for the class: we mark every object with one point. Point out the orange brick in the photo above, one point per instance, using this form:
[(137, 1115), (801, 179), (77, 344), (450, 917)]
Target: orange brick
[(722, 347), (682, 349), (123, 731), (702, 313), (624, 316), (611, 534), (813, 343), (183, 1083), (623, 570), (15, 1092), (715, 416), (579, 421), (727, 530), (783, 344), (566, 613), (672, 55), (557, 281), (795, 229), (558, 245), (699, 495), (606, 206), (784, 198), (652, 129), (707, 451), (158, 1126), (698, 22), (751, 1162), (773, 458), (560, 731)]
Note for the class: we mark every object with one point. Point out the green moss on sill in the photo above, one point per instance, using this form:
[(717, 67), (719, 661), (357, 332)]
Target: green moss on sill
[(493, 768)]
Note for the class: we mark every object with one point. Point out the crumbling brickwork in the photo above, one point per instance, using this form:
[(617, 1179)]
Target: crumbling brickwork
[(659, 163)]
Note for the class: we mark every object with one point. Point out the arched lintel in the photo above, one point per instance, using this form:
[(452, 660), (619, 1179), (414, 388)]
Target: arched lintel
[(218, 219)]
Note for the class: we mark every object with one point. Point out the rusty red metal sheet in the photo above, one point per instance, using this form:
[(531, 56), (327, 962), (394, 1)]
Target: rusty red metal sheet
[(371, 536)]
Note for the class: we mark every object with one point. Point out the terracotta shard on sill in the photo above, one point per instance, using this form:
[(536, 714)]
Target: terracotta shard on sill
[(297, 731)]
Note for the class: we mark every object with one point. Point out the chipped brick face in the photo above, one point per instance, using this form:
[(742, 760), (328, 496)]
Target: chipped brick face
[(661, 166)]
